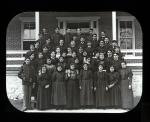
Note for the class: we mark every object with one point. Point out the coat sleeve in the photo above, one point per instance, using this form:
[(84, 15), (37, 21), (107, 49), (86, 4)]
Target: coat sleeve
[(20, 73)]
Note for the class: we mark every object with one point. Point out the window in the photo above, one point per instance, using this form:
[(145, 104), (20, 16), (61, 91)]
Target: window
[(126, 34), (78, 25)]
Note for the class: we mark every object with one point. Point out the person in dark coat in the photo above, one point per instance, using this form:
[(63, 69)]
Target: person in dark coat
[(62, 63), (73, 46), (27, 74), (80, 56), (118, 52), (82, 43), (40, 60), (95, 62), (102, 60), (45, 52), (62, 46), (72, 75), (109, 60), (114, 88), (68, 37), (86, 87), (57, 36), (102, 35), (89, 49), (53, 58), (49, 44), (90, 35), (100, 84), (101, 48), (78, 35), (107, 44), (32, 50), (95, 42), (116, 62), (58, 52), (43, 94), (58, 88), (126, 86)]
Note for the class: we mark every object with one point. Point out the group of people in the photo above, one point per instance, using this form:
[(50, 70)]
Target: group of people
[(75, 71)]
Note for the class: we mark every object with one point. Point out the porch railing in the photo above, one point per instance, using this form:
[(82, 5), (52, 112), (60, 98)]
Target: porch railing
[(21, 58)]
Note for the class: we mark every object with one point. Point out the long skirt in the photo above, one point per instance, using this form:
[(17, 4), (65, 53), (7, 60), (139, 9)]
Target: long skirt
[(115, 96), (73, 94), (58, 93), (126, 95), (43, 98), (101, 95), (86, 93), (27, 96)]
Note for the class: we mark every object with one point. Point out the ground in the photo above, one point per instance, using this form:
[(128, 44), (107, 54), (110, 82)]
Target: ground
[(15, 95)]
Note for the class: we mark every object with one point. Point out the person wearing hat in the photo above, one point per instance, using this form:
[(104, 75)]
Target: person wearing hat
[(72, 76), (27, 74), (58, 88), (86, 87)]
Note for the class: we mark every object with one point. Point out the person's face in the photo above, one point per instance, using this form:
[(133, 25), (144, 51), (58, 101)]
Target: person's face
[(48, 41), (101, 43), (94, 37), (44, 30), (61, 59), (72, 67), (64, 54), (106, 40), (101, 56), (76, 61), (117, 49), (58, 50), (85, 53), (27, 61), (74, 38), (85, 66), (48, 61), (100, 67), (32, 56), (43, 69), (111, 69), (97, 55), (82, 39), (57, 30), (53, 54), (78, 31), (45, 50), (115, 57), (74, 54), (102, 33), (31, 47), (68, 30), (61, 42), (114, 44), (109, 53), (72, 43), (123, 65), (40, 55), (59, 68), (69, 49), (80, 49), (36, 45)]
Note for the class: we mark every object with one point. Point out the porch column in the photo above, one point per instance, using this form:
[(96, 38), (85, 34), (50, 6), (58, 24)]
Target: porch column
[(37, 25), (114, 25)]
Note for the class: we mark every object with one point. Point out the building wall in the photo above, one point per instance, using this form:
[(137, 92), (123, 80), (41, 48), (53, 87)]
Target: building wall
[(48, 20), (13, 35)]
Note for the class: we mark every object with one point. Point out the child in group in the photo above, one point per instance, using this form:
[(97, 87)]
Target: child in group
[(27, 74), (68, 56), (32, 50), (114, 88), (58, 53), (126, 86), (58, 88), (40, 60), (86, 87), (100, 83), (82, 42), (102, 60), (101, 48), (62, 46), (62, 63), (107, 44), (72, 76), (89, 49), (45, 52), (118, 52), (53, 58), (43, 94), (73, 46), (116, 62), (95, 61), (49, 44), (109, 59)]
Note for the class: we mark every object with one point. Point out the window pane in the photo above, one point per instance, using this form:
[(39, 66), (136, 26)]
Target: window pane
[(26, 34)]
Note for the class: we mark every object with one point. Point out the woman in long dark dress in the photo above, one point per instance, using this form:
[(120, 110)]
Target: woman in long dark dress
[(126, 86), (114, 88), (58, 88), (72, 76), (43, 94), (86, 87), (100, 84)]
